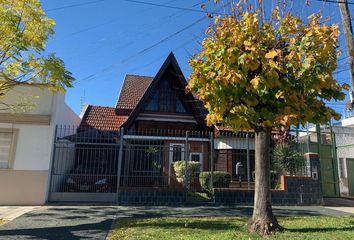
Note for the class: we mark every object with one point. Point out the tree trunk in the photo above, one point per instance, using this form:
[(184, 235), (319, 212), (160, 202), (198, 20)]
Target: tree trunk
[(263, 221)]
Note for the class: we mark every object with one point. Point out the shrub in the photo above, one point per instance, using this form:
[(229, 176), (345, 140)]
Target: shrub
[(220, 179), (287, 160), (184, 175)]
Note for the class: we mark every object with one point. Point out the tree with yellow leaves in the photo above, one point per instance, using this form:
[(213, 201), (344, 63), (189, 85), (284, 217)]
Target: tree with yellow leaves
[(256, 74), (24, 30)]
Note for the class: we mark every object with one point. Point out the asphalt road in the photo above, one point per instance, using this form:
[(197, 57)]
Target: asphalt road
[(61, 222)]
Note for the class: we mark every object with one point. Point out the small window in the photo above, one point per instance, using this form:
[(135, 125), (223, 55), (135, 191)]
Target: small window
[(197, 157), (7, 147)]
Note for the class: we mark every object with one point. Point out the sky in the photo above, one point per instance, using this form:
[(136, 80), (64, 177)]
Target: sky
[(101, 41)]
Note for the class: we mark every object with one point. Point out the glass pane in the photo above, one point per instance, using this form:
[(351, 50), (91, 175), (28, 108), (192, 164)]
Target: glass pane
[(167, 97), (179, 106), (152, 104), (195, 157)]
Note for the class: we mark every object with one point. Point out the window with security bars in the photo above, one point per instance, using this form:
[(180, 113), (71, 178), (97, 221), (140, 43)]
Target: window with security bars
[(6, 141)]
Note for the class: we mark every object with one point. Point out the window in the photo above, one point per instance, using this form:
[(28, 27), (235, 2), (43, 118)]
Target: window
[(165, 99), (153, 104), (177, 152), (179, 106), (7, 147), (197, 157)]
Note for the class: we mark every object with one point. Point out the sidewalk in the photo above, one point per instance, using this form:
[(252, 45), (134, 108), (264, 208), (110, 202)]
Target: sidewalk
[(9, 213), (340, 204)]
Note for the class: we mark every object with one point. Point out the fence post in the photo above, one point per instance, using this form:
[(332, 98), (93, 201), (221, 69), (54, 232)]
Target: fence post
[(211, 161), (52, 164), (186, 157), (120, 156), (335, 159), (248, 162)]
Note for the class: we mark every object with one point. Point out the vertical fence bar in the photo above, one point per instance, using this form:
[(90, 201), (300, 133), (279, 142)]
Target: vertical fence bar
[(248, 162), (211, 161), (334, 157), (120, 156), (186, 157), (51, 175)]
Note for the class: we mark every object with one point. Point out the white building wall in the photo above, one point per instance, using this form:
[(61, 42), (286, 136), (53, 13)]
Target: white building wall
[(34, 147), (345, 149), (233, 143)]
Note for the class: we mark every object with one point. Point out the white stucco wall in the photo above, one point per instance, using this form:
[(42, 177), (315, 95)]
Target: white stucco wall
[(27, 182), (33, 147), (40, 98), (35, 142), (345, 149), (233, 143)]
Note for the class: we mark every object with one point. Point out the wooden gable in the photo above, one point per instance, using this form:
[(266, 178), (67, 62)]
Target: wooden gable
[(166, 102)]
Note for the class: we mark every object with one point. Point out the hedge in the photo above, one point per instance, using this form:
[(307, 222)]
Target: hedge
[(220, 179)]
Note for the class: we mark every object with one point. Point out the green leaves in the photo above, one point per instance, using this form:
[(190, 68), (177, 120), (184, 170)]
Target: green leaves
[(275, 73), (24, 31)]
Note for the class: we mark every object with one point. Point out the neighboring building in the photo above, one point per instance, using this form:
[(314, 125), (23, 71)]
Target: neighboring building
[(26, 144), (345, 154)]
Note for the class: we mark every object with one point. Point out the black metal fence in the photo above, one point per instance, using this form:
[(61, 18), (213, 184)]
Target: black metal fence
[(94, 161)]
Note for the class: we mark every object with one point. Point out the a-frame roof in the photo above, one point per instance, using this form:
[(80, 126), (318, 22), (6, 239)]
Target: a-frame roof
[(133, 88), (170, 62)]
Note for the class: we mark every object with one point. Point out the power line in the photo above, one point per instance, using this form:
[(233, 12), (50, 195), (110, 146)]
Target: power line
[(148, 26), (165, 39), (172, 7), (336, 72), (333, 1), (144, 50), (72, 6)]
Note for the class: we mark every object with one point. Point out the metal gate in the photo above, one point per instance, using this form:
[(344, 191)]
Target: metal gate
[(350, 174), (166, 161), (84, 165)]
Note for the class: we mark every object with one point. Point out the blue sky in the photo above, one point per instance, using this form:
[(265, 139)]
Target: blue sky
[(102, 41)]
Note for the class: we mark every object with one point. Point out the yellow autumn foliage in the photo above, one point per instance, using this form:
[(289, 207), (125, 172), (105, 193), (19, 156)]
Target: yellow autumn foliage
[(273, 73)]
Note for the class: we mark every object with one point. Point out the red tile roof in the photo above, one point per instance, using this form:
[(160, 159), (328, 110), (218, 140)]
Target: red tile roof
[(134, 87), (103, 118)]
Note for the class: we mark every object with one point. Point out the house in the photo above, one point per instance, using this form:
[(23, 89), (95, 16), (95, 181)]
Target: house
[(128, 153), (151, 106), (26, 143)]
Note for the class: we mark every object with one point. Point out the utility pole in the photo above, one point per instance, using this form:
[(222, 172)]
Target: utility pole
[(348, 31)]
